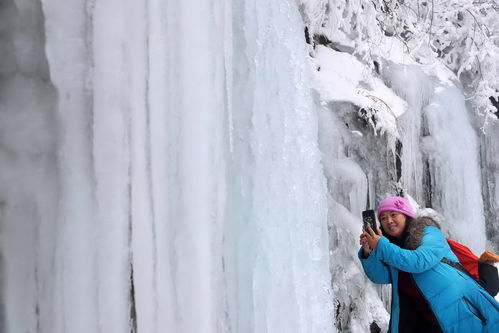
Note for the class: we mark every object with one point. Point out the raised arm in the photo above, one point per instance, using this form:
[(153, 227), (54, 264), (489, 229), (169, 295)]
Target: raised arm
[(428, 254), (375, 270)]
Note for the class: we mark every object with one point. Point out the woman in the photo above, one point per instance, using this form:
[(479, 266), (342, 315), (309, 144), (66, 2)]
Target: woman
[(427, 294)]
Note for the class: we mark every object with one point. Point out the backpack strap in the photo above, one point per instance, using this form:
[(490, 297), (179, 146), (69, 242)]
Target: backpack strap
[(458, 266), (461, 268)]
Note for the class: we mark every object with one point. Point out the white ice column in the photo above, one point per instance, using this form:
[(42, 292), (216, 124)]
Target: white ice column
[(416, 88), (141, 91), (453, 152), (154, 118), (277, 251), (75, 274), (188, 97)]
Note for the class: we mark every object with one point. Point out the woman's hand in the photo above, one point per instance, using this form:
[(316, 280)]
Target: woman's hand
[(372, 238), (366, 250)]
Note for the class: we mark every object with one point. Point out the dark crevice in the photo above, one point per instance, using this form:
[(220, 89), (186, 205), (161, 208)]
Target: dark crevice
[(307, 36), (133, 310), (374, 328), (322, 40), (37, 305), (366, 116), (338, 322), (400, 191), (425, 131), (495, 103), (427, 184), (427, 179), (398, 159)]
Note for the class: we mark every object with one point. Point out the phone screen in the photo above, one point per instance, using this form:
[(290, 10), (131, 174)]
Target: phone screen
[(369, 219)]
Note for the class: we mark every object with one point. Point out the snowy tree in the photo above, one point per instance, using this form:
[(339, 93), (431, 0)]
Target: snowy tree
[(462, 34)]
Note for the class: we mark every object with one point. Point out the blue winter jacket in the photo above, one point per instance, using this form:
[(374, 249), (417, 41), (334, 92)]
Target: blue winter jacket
[(458, 302)]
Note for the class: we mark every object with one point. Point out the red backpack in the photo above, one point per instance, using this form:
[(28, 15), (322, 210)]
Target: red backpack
[(481, 269)]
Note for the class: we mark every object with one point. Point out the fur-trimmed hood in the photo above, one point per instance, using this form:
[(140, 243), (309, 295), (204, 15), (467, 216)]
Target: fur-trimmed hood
[(415, 231)]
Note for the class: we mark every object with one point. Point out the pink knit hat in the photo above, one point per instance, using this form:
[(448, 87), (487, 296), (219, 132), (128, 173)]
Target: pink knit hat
[(397, 204)]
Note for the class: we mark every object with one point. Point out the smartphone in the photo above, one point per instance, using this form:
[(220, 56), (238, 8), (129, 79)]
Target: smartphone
[(369, 219)]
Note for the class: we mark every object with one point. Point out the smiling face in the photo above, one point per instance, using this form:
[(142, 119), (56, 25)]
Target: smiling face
[(393, 223)]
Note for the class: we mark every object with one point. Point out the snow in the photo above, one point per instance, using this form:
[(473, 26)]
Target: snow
[(341, 77)]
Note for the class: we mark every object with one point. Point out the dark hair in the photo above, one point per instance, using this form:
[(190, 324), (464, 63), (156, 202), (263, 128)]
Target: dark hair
[(395, 240)]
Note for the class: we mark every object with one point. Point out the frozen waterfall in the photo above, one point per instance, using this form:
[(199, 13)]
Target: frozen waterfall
[(177, 185), (201, 166)]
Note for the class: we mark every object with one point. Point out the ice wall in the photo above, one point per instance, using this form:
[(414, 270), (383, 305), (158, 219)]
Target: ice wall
[(278, 208), (195, 166), (440, 164), (160, 170), (142, 99)]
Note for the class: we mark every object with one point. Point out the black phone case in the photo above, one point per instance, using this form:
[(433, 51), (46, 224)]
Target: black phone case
[(369, 218)]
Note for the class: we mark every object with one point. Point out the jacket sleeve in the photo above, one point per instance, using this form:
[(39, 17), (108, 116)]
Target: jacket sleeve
[(375, 270), (429, 253)]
